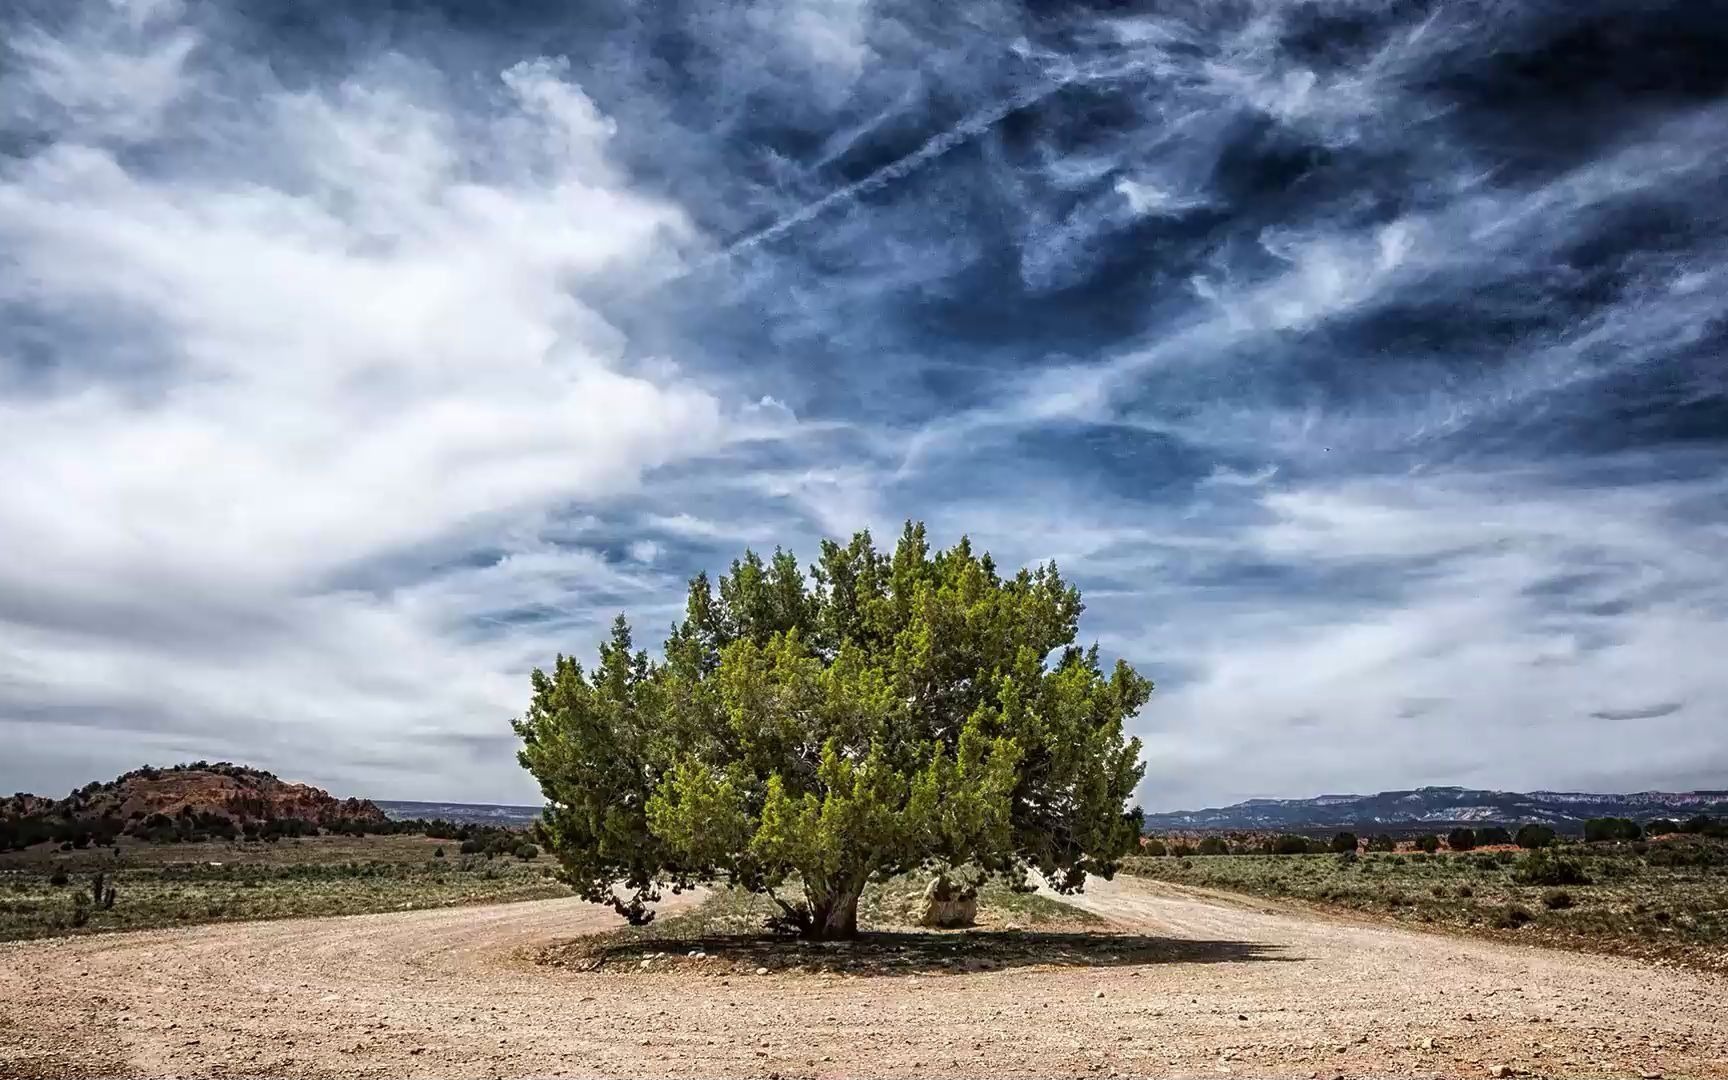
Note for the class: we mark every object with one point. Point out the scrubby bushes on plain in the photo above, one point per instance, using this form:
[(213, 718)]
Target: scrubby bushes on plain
[(1542, 867), (1461, 839), (1344, 841), (1213, 845), (1428, 843)]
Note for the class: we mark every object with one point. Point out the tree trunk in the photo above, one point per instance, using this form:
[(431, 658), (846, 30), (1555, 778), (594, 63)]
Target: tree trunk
[(834, 915)]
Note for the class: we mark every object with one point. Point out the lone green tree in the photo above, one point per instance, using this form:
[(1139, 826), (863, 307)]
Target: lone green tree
[(804, 736)]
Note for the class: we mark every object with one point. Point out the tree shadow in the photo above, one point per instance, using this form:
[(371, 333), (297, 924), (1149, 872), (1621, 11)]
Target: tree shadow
[(891, 953)]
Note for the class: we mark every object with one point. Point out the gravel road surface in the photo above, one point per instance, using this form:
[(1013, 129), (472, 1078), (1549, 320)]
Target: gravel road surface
[(1255, 990)]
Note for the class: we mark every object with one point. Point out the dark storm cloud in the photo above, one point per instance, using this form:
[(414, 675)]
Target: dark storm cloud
[(1364, 362)]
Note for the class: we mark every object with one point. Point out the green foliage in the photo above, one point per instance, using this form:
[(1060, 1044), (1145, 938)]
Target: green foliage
[(1428, 843), (1344, 841), (1289, 844), (1661, 827), (527, 852), (60, 878), (1382, 842), (1556, 899), (1492, 835), (1604, 829), (1461, 839), (1543, 867), (1213, 845), (1532, 837), (888, 712), (1704, 825), (1153, 847)]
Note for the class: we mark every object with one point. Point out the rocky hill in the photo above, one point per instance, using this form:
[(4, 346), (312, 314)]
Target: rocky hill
[(1434, 806), (199, 798)]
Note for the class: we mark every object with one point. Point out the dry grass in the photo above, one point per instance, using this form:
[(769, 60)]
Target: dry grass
[(219, 881), (1637, 902)]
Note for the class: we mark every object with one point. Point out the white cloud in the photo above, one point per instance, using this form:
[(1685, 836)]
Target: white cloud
[(346, 323), (1535, 627)]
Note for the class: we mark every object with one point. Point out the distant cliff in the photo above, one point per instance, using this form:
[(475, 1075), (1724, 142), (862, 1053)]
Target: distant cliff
[(1442, 805)]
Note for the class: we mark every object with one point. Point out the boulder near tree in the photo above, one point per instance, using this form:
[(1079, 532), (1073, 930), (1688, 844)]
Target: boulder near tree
[(802, 736)]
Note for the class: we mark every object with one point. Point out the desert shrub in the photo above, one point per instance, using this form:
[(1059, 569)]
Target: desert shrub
[(527, 852), (1493, 834), (1437, 891), (473, 847), (438, 852), (1687, 851), (1661, 827), (1512, 916), (1533, 837), (1461, 839), (1604, 829), (1347, 859), (1154, 847), (1704, 825), (1544, 868), (1182, 849), (1288, 844), (1382, 842), (1344, 841), (1213, 845), (1556, 899), (60, 877), (1428, 843), (1465, 892), (1187, 865)]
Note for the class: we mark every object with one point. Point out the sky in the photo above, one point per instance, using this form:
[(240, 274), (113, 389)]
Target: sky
[(1365, 364)]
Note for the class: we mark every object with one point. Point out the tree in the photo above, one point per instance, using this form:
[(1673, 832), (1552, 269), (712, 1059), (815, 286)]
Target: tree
[(1534, 836), (1661, 827), (1213, 845), (1382, 842), (1493, 835), (1461, 839), (1344, 841), (1600, 830), (888, 712), (1428, 842)]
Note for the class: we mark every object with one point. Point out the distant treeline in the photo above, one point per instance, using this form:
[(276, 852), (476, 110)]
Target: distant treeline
[(1596, 830), (189, 826)]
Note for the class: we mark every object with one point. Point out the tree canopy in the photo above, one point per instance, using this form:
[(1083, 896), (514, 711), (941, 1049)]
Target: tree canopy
[(818, 732)]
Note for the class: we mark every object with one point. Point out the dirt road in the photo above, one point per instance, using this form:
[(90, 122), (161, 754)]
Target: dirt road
[(1249, 991)]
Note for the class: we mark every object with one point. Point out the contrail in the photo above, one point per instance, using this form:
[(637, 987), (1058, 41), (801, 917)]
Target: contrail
[(966, 130)]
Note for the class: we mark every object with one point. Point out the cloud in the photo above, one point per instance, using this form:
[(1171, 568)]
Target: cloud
[(349, 369), (344, 321)]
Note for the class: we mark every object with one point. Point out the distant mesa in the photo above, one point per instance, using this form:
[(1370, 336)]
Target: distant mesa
[(222, 795), (1434, 806)]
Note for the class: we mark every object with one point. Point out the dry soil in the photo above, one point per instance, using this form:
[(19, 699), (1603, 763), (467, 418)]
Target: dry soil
[(1252, 990)]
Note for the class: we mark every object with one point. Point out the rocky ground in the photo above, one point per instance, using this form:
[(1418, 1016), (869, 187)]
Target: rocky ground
[(1237, 989)]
